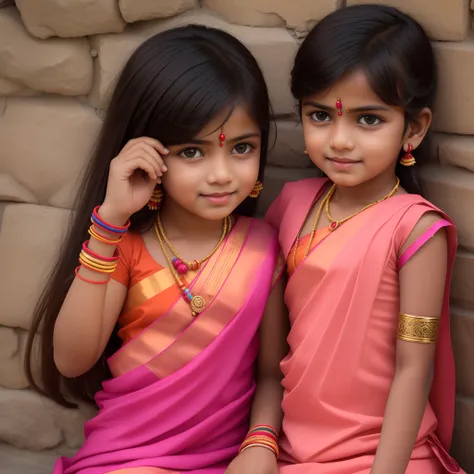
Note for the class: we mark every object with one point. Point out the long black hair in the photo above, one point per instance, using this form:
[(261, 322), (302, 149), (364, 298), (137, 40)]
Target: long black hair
[(173, 85), (391, 48)]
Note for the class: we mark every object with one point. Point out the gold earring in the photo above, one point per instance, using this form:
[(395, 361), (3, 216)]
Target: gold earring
[(256, 190), (408, 159), (156, 198), (306, 152)]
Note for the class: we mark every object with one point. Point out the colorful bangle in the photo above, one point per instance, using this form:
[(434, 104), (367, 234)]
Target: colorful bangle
[(96, 269), (96, 261), (88, 251), (262, 436), (115, 229), (94, 282), (103, 238)]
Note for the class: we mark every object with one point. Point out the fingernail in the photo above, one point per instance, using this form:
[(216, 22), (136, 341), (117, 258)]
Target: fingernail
[(166, 150), (164, 168), (158, 181)]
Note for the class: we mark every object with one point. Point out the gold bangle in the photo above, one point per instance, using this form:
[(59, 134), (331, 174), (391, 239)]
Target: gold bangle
[(417, 329)]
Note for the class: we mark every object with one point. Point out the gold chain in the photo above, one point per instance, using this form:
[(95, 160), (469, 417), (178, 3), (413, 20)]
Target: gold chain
[(335, 224), (195, 264)]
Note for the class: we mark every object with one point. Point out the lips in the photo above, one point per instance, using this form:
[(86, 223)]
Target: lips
[(343, 161), (217, 195)]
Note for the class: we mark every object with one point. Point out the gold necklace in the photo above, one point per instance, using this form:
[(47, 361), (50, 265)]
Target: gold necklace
[(196, 302), (335, 224), (181, 265)]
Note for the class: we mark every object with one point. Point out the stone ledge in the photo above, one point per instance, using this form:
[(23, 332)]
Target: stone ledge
[(273, 48), (60, 66), (452, 190), (271, 13), (443, 20), (74, 18), (455, 101), (456, 150), (138, 10), (463, 277)]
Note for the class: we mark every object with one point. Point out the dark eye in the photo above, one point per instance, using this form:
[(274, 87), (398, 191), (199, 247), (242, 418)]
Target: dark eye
[(242, 148), (320, 116), (369, 120), (191, 153)]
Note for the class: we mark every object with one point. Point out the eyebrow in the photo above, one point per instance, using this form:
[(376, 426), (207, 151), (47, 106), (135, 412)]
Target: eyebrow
[(199, 141), (364, 108)]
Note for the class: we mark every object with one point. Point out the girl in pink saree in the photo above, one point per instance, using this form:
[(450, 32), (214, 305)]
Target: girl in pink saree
[(176, 307), (369, 378)]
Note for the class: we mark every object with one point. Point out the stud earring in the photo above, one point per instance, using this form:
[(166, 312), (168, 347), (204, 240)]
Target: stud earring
[(408, 159), (256, 190), (306, 152), (156, 198)]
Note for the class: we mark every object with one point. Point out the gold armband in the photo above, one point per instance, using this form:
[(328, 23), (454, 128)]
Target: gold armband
[(417, 329)]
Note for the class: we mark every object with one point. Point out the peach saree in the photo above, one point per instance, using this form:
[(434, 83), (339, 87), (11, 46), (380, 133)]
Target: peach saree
[(344, 303)]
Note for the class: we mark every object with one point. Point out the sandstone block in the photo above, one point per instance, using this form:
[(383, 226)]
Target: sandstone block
[(462, 286), (30, 237), (61, 66), (8, 87), (452, 190), (456, 150), (447, 21), (275, 178), (12, 350), (135, 10), (11, 190), (286, 146), (274, 12), (72, 19), (30, 421), (274, 49), (464, 433), (455, 99), (462, 333), (57, 135)]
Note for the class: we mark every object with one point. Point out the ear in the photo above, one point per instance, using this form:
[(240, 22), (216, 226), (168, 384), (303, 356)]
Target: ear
[(417, 129)]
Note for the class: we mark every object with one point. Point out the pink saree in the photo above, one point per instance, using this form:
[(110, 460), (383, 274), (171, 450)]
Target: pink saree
[(344, 303), (181, 393)]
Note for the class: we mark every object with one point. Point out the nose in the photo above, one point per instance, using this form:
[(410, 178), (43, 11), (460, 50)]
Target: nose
[(341, 138), (221, 170)]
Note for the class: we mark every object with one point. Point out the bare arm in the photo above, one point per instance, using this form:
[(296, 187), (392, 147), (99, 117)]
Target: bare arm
[(88, 316), (422, 284), (274, 328)]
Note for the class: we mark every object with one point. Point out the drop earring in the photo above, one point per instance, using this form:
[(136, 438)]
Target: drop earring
[(156, 198), (256, 190), (408, 159)]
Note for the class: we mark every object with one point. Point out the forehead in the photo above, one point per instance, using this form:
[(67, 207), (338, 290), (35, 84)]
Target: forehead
[(237, 123), (353, 90)]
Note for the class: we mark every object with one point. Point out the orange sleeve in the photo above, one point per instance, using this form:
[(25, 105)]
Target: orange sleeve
[(124, 264)]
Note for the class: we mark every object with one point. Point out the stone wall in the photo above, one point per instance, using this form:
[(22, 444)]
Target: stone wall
[(57, 62)]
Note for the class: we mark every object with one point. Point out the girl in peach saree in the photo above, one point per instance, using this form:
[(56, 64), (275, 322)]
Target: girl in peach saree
[(178, 287), (369, 378)]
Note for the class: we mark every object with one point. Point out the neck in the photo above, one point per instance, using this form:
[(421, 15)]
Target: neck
[(364, 193), (180, 223)]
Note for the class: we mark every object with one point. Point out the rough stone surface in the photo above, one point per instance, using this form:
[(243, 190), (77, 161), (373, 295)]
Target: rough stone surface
[(464, 433), (12, 348), (30, 421), (47, 18), (274, 49), (57, 66), (287, 146), (58, 134), (463, 277), (274, 12), (275, 178), (456, 150), (135, 10), (447, 21), (30, 237), (447, 187), (462, 326), (456, 95)]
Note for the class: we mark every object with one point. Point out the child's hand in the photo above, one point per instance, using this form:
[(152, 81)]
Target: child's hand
[(255, 460), (133, 175)]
